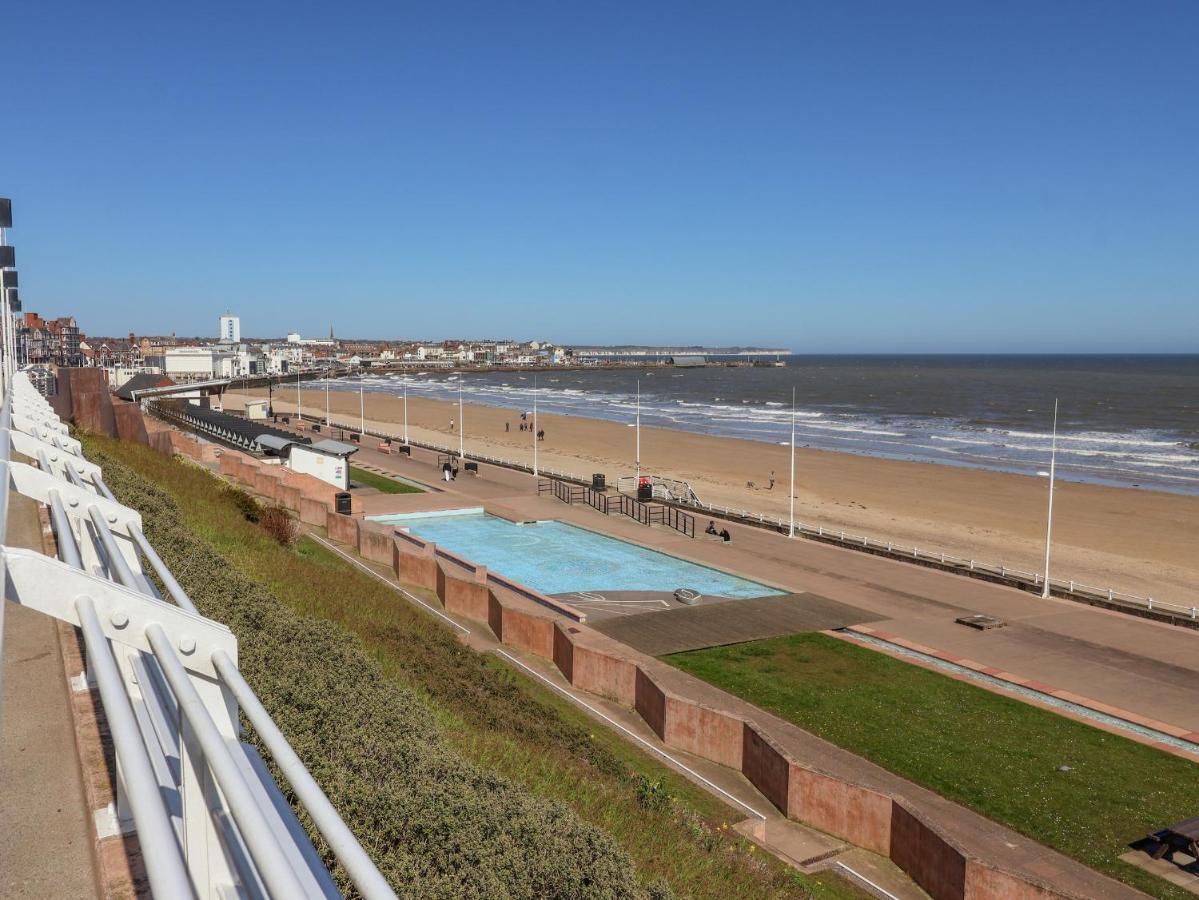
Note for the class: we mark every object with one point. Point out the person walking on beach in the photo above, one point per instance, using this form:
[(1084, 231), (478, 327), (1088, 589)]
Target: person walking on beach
[(506, 428), (771, 488), (451, 423)]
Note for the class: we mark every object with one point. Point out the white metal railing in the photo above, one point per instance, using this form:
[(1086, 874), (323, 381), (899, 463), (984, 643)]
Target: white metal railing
[(670, 490), (210, 820), (961, 564)]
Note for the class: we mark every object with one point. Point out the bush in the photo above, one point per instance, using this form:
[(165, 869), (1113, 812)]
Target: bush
[(249, 507), (279, 524), (436, 825)]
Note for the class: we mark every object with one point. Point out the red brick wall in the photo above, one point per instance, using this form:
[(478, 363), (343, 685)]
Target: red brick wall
[(860, 816), (765, 766), (603, 674), (527, 632), (130, 426), (465, 594), (343, 529), (376, 544), (710, 733), (314, 512), (985, 883), (420, 569), (930, 860), (650, 703)]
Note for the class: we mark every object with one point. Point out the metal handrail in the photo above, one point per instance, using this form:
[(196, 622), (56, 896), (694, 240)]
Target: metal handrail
[(246, 820)]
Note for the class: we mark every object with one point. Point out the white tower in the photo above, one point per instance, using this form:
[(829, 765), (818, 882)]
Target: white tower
[(230, 329)]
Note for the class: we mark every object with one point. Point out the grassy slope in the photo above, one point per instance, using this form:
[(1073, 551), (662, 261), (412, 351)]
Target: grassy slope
[(382, 483), (992, 753), (500, 721)]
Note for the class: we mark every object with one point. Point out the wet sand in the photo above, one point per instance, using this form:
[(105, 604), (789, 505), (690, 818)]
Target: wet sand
[(1140, 541)]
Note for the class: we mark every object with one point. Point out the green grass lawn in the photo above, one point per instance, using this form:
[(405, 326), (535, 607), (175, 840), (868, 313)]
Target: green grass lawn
[(992, 753), (498, 721), (382, 482)]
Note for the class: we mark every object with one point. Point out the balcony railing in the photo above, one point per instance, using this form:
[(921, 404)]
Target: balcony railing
[(210, 820)]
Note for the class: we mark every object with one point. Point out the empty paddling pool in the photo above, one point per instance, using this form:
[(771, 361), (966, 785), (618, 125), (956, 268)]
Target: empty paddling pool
[(556, 558)]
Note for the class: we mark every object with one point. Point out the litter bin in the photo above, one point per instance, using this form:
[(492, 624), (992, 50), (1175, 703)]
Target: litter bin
[(356, 438), (405, 449), (599, 482), (472, 467), (316, 428), (343, 502), (645, 489)]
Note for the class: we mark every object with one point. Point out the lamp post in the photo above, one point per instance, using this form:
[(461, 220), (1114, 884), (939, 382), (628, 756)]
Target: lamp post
[(637, 482), (361, 405), (791, 491), (326, 396), (299, 405), (1049, 520), (534, 424), (405, 412), (461, 426)]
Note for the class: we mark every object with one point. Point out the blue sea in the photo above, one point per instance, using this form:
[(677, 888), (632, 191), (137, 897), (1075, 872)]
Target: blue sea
[(1123, 420)]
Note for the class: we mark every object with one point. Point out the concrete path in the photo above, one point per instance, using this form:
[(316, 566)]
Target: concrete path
[(46, 839), (1121, 661)]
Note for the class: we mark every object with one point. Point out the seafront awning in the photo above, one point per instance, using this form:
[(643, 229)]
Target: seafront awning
[(274, 442), (333, 448)]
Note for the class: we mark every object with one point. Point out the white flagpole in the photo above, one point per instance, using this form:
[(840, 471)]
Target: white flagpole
[(1049, 523), (361, 405), (405, 412), (461, 426), (791, 531), (637, 482), (534, 424)]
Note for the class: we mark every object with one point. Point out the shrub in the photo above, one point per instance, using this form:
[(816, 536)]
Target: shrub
[(652, 793), (279, 524)]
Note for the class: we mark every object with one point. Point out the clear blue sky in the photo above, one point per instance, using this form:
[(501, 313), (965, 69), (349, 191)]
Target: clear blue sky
[(834, 177)]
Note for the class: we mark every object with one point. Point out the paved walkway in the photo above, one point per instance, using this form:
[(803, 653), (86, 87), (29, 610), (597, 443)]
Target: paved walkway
[(1120, 661), (45, 841), (680, 628)]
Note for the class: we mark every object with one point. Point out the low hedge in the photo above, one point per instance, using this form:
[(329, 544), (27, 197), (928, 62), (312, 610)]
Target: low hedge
[(435, 824)]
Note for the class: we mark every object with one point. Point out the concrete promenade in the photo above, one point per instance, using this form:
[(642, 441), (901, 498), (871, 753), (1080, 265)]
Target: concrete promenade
[(1119, 661), (46, 840)]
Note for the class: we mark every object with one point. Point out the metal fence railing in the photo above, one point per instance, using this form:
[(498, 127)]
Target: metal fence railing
[(210, 820), (1183, 613)]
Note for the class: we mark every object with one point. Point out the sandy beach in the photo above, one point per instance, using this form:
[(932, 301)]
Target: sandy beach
[(1139, 541)]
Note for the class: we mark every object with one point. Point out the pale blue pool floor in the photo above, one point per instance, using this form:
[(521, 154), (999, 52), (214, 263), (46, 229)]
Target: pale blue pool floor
[(557, 558)]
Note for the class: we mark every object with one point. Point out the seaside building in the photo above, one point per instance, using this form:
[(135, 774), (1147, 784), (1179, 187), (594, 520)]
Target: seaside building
[(230, 329), (50, 341)]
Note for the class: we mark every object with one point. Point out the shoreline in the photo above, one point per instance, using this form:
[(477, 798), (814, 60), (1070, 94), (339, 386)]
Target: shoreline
[(1137, 540), (1089, 451)]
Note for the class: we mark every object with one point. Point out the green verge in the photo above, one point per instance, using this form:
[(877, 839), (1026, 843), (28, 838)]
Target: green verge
[(461, 777), (382, 482), (989, 752)]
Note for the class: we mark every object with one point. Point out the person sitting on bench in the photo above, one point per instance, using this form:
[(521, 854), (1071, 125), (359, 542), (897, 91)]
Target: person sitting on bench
[(711, 529), (725, 536)]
